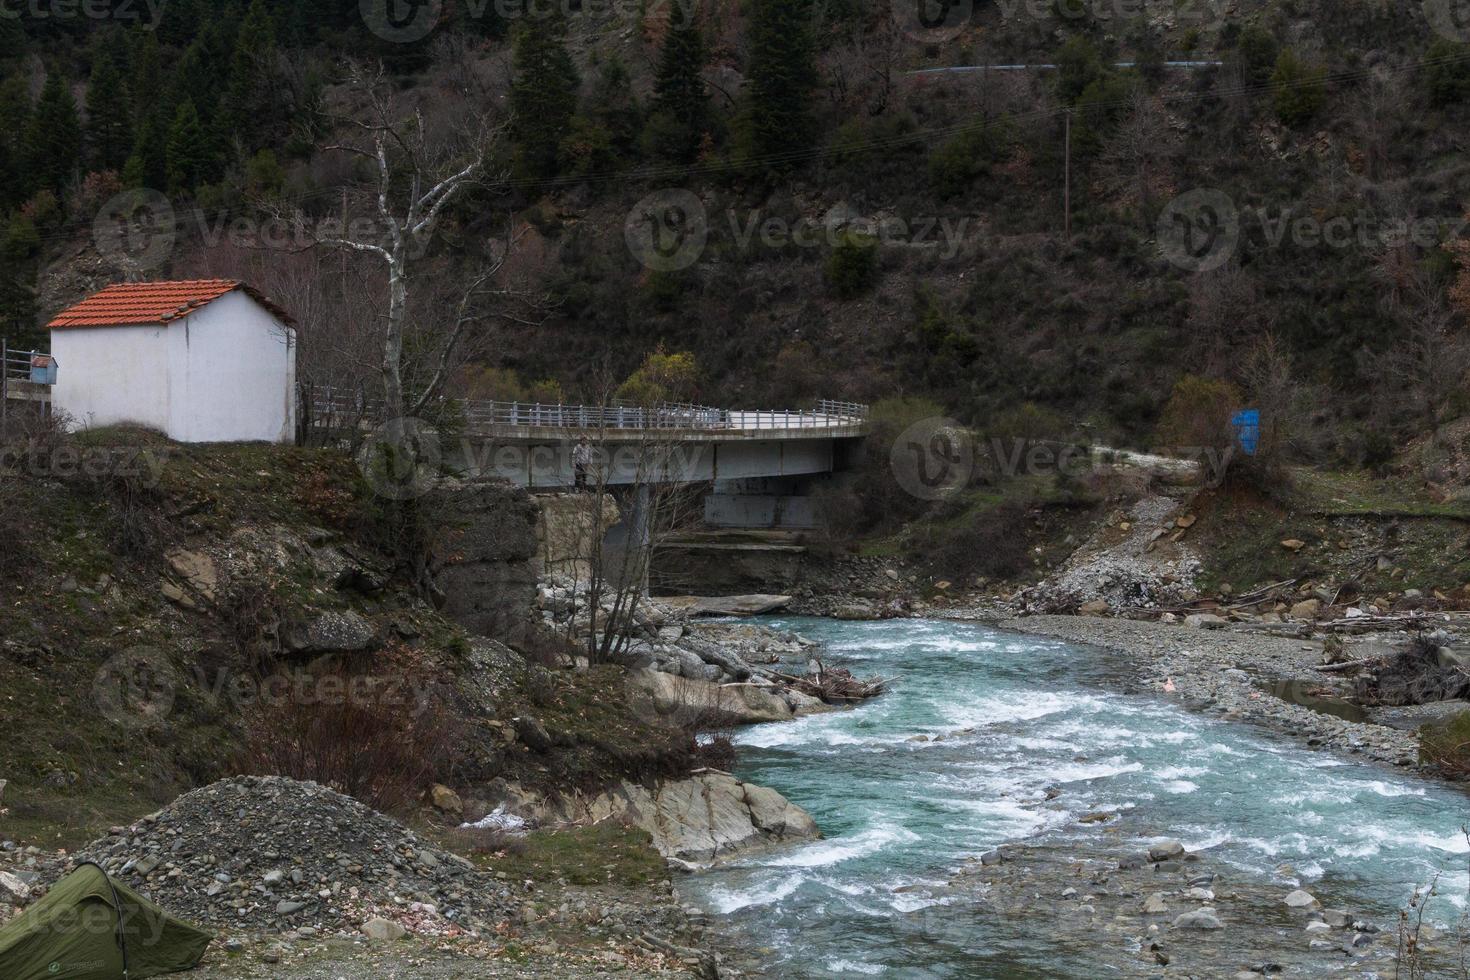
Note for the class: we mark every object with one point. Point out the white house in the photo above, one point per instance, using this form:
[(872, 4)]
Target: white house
[(207, 360)]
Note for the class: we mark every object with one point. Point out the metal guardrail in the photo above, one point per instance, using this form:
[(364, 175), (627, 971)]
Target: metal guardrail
[(16, 364), (328, 405)]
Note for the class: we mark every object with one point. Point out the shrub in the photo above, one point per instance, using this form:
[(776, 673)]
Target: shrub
[(1078, 65), (366, 743), (882, 499), (661, 377), (955, 164), (1198, 414), (1257, 51), (944, 333), (853, 265), (1447, 72), (1299, 89), (865, 144)]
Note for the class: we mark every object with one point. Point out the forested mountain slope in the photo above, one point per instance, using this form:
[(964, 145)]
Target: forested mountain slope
[(770, 186)]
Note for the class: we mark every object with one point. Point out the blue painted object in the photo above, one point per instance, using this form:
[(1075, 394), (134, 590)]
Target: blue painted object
[(1247, 424), (43, 369)]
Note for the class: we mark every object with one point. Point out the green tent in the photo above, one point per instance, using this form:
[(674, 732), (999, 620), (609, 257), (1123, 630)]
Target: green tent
[(88, 927)]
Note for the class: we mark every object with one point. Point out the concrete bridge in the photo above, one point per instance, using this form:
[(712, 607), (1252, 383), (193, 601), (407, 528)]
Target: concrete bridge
[(759, 463)]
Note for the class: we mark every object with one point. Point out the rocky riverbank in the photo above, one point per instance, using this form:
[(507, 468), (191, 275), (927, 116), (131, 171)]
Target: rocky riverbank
[(299, 881), (1163, 911), (1232, 675)]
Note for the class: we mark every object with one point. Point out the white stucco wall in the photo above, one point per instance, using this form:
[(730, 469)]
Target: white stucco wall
[(232, 375), (110, 375), (225, 373)]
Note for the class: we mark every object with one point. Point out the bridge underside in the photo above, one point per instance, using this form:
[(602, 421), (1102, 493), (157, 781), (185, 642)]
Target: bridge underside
[(753, 483), (548, 465)]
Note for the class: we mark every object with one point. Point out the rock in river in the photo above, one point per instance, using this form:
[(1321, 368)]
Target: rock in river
[(1198, 919)]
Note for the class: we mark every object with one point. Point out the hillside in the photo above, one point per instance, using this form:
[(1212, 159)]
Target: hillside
[(174, 614), (904, 234)]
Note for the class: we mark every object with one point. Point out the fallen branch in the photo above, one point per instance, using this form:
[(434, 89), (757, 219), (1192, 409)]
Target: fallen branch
[(1346, 666)]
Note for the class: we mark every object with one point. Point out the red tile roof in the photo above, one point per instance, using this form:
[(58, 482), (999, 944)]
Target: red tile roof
[(154, 303)]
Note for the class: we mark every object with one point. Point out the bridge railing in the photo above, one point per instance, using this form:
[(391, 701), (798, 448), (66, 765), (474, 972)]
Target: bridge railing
[(331, 404)]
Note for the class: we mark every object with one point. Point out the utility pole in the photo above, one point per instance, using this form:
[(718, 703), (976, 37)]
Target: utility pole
[(1067, 179)]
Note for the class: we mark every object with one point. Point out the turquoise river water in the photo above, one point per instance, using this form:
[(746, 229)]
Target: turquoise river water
[(900, 815)]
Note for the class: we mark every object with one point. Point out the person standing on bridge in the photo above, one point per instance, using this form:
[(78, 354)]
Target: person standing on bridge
[(581, 462)]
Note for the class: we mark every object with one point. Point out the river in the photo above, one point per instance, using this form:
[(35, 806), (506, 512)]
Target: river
[(1034, 714)]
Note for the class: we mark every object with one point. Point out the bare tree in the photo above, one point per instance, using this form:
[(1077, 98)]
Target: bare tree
[(862, 69), (329, 296), (1285, 403), (415, 178), (1225, 311), (1137, 162), (1427, 367)]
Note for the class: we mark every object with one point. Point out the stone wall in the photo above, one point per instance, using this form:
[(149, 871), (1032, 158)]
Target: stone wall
[(564, 532), (488, 571)]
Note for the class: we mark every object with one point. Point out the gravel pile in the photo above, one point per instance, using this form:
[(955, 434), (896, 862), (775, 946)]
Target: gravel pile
[(275, 854), (1145, 569)]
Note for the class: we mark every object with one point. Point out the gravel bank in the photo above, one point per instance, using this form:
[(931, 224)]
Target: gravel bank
[(1219, 671)]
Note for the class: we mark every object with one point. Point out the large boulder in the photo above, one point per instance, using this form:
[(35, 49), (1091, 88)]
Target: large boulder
[(1306, 609), (13, 891), (683, 701), (729, 605), (332, 632), (707, 816), (197, 569), (713, 815)]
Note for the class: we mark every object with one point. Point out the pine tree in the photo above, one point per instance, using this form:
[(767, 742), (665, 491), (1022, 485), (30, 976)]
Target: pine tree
[(196, 78), (251, 109), (543, 95), (148, 165), (12, 37), (53, 141), (15, 114), (781, 76), (109, 115), (18, 315), (147, 74), (605, 134), (680, 100), (188, 150), (181, 23)]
